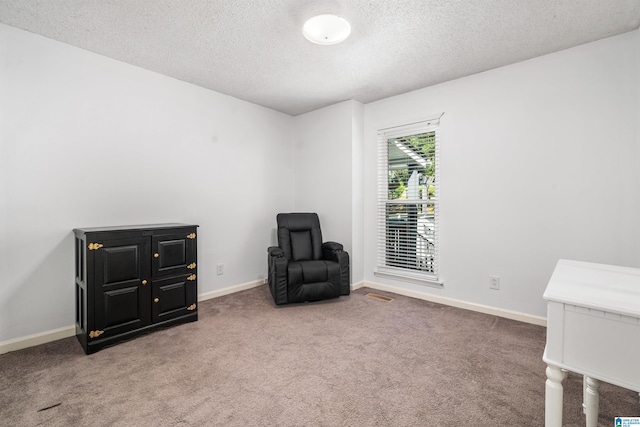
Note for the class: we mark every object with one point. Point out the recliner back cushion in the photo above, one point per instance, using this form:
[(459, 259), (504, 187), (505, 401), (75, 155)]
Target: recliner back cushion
[(299, 236), (301, 249)]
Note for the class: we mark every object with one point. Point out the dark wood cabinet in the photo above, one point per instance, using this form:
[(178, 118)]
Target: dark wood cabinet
[(132, 279)]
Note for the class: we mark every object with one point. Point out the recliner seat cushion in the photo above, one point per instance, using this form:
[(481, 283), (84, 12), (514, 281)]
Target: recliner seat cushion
[(313, 280)]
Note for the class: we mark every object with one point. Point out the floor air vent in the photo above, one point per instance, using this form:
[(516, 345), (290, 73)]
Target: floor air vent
[(380, 297)]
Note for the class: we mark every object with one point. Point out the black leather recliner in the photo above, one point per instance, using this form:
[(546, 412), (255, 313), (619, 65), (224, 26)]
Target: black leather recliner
[(301, 267)]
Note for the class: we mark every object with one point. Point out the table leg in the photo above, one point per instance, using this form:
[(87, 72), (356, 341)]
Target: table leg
[(553, 397), (591, 401)]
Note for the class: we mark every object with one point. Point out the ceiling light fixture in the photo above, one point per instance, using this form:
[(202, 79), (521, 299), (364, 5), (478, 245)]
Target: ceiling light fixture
[(326, 29)]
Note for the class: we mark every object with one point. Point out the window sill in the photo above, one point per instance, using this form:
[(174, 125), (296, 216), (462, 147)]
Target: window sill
[(420, 279)]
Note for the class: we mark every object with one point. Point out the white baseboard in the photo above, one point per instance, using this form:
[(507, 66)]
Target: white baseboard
[(231, 289), (508, 314), (358, 285), (69, 331), (37, 339)]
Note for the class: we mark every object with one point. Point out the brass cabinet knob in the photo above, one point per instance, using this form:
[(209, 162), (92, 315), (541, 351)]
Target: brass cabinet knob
[(156, 255), (144, 282), (156, 300)]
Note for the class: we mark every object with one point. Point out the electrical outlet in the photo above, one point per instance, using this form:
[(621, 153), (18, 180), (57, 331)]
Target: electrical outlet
[(494, 282), (220, 269)]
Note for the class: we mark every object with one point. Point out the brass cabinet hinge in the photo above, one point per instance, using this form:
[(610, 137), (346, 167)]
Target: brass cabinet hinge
[(191, 236), (191, 266), (191, 307), (95, 334), (94, 246), (192, 277)]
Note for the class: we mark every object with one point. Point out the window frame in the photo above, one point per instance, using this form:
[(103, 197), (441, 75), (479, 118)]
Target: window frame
[(419, 276)]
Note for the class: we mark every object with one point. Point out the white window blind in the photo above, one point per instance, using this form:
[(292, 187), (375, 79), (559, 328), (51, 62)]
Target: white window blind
[(408, 196)]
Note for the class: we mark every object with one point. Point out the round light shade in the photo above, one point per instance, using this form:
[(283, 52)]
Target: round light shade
[(326, 29)]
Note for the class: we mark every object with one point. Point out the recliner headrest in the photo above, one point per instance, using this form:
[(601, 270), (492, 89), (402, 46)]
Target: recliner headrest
[(299, 236)]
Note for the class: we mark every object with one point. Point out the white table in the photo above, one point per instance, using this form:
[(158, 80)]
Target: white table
[(593, 329)]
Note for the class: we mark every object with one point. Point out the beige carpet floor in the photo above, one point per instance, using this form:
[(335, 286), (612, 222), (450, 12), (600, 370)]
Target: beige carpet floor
[(352, 361)]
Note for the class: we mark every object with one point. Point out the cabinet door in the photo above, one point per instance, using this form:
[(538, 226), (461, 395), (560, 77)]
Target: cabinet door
[(173, 297), (122, 286), (174, 254)]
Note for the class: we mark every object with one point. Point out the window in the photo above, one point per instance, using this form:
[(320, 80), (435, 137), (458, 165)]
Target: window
[(408, 201)]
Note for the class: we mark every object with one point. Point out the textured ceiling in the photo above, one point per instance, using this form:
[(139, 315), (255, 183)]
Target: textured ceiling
[(254, 50)]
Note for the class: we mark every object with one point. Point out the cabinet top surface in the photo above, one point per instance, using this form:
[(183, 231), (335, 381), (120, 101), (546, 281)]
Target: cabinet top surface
[(603, 287), (132, 227)]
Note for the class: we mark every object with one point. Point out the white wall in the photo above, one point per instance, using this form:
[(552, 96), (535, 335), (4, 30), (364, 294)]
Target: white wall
[(357, 193), (89, 141), (637, 184), (539, 162), (323, 177)]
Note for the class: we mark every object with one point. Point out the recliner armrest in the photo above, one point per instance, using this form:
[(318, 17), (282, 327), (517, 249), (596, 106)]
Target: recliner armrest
[(333, 251), (275, 251), (332, 246), (277, 278)]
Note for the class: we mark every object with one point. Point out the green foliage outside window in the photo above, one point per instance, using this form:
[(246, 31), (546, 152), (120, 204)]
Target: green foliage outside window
[(409, 154)]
